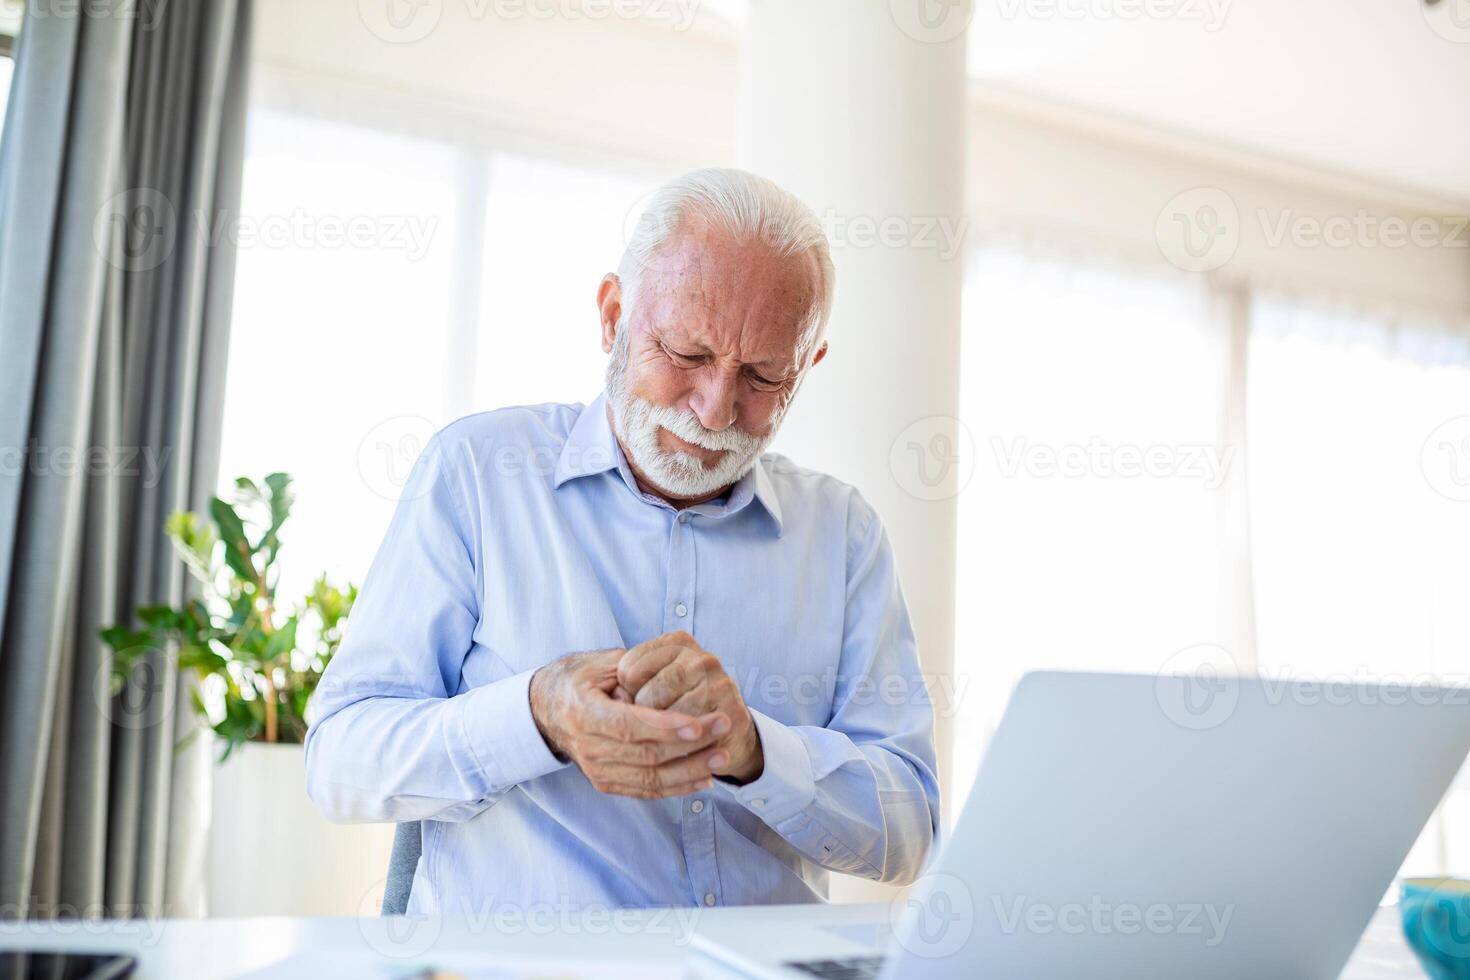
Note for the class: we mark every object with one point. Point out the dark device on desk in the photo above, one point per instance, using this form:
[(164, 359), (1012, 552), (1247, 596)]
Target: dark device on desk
[(50, 964)]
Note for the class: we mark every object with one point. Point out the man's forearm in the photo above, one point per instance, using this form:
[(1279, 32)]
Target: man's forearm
[(388, 755), (864, 810)]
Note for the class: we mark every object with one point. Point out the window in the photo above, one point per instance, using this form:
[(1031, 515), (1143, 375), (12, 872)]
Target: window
[(1088, 534), (1359, 488), (552, 231), (1356, 428), (387, 284)]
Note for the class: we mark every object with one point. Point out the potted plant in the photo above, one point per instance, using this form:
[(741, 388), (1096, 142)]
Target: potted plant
[(257, 664)]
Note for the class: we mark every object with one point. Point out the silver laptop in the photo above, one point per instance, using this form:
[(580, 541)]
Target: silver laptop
[(1134, 826)]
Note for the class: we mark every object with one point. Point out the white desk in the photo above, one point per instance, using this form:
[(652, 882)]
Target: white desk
[(204, 949)]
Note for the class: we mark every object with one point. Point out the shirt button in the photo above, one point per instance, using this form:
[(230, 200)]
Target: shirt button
[(709, 898), (757, 802), (697, 806), (684, 518), (681, 610)]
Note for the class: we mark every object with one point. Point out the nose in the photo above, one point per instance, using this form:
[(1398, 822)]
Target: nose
[(713, 401)]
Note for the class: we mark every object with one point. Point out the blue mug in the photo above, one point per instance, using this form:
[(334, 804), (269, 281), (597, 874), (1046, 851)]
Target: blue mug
[(1436, 917)]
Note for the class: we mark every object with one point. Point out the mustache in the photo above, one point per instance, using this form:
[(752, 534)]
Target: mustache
[(686, 425)]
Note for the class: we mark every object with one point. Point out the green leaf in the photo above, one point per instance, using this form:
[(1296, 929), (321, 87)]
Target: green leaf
[(238, 553), (202, 659), (226, 631), (281, 641), (198, 702), (122, 639), (281, 500), (193, 541), (240, 609), (160, 617)]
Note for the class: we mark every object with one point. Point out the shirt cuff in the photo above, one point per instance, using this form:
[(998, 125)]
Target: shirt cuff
[(501, 734), (786, 787)]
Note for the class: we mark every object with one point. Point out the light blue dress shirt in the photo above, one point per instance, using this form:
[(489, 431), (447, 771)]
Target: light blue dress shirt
[(522, 536)]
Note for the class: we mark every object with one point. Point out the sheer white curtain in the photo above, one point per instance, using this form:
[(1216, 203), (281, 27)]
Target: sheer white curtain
[(1090, 532), (1360, 495), (340, 342), (1298, 491)]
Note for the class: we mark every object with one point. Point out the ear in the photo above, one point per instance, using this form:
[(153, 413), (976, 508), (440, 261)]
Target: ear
[(610, 306), (821, 353)]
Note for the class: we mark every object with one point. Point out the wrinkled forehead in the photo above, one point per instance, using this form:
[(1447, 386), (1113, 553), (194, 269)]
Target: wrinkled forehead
[(736, 297)]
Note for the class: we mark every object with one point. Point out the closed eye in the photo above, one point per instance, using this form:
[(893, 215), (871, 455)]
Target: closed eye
[(764, 383), (683, 360)]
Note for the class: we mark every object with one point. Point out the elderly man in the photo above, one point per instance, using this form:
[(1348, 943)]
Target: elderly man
[(618, 655)]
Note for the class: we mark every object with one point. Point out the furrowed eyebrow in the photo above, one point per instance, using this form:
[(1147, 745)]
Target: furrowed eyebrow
[(777, 369)]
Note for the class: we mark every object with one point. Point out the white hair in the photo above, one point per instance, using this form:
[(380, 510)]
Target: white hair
[(748, 208)]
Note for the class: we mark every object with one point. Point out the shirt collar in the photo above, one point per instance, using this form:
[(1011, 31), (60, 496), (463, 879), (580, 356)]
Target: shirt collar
[(591, 448)]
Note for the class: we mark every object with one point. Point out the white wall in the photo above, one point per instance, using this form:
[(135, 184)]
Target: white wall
[(610, 84), (1078, 177), (607, 88)]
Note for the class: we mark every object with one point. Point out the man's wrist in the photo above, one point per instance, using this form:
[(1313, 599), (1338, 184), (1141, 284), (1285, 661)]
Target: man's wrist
[(755, 765), (535, 693)]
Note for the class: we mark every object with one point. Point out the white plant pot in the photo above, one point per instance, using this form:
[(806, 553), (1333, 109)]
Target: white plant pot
[(271, 852)]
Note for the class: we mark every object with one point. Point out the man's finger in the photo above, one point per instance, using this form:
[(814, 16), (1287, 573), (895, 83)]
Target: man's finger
[(713, 727), (642, 662), (678, 677), (620, 722), (640, 793), (677, 772), (696, 702)]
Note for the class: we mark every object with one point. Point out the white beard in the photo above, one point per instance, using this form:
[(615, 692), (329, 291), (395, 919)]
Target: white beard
[(679, 474)]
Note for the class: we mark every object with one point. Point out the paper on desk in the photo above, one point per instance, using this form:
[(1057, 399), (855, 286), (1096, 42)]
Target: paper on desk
[(313, 964)]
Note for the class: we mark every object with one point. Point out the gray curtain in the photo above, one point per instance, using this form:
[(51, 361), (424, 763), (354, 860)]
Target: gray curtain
[(119, 179)]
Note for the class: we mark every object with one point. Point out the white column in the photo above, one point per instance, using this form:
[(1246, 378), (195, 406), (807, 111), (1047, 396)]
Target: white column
[(857, 107)]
